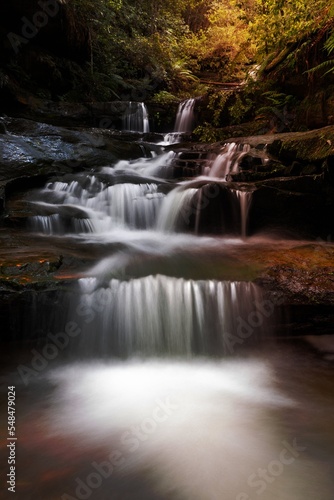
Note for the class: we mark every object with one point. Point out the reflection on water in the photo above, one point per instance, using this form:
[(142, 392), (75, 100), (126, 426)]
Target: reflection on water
[(234, 430)]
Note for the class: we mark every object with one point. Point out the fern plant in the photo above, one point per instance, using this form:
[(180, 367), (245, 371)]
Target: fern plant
[(328, 65)]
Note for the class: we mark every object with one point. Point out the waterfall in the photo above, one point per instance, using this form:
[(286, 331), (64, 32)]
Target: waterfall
[(184, 122), (184, 206), (160, 315), (185, 116), (227, 162), (158, 166), (96, 207), (244, 198), (126, 383), (135, 118), (92, 206), (176, 209)]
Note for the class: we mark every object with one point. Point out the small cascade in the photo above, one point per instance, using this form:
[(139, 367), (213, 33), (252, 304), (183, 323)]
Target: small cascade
[(184, 122), (227, 162), (158, 166), (159, 315), (176, 209), (244, 198), (47, 224), (96, 207), (135, 118), (196, 207), (185, 116)]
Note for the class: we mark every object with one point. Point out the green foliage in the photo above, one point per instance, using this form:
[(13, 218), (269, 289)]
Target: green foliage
[(223, 45), (277, 23), (163, 97), (206, 133), (138, 49), (242, 105), (326, 66), (329, 44), (276, 110), (217, 103), (278, 99)]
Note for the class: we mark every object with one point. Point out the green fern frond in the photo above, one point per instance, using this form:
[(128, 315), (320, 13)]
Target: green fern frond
[(266, 110), (279, 99), (327, 66), (329, 44)]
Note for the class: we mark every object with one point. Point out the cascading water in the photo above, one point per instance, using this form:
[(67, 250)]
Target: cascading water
[(227, 162), (183, 207), (164, 414), (245, 198), (147, 316), (100, 207), (135, 118), (158, 166), (176, 209), (184, 122), (185, 116)]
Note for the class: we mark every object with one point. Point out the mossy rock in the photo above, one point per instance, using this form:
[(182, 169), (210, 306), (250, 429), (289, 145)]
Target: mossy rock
[(311, 146)]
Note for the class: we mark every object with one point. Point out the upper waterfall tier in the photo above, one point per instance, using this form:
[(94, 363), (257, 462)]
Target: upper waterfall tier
[(135, 118), (184, 123), (185, 116), (132, 195)]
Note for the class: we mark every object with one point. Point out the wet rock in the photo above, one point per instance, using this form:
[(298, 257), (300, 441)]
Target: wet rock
[(36, 150), (2, 128), (297, 207), (301, 286), (260, 172)]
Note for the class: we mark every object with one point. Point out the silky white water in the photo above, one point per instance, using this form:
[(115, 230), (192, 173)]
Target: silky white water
[(161, 315), (135, 118), (198, 430), (184, 122), (160, 381), (227, 162)]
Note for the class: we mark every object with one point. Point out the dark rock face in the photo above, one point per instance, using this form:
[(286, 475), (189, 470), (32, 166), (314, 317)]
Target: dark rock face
[(21, 302), (298, 207)]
